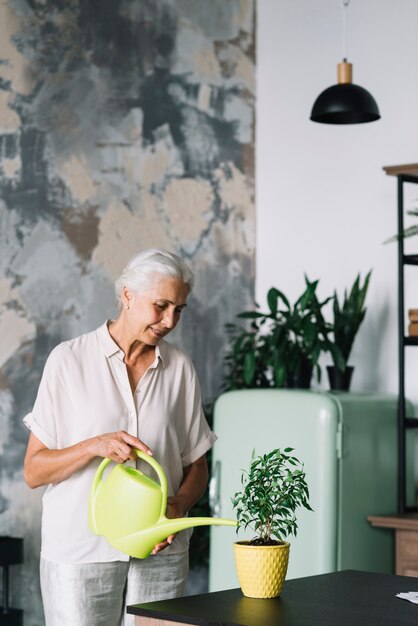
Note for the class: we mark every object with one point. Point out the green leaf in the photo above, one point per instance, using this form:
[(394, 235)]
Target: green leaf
[(250, 315), (408, 232), (273, 297), (249, 367)]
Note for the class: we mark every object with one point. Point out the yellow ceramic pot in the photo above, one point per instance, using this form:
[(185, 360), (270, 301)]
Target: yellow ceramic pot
[(261, 569)]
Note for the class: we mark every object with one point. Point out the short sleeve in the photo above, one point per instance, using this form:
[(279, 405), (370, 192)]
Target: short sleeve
[(41, 421), (35, 428)]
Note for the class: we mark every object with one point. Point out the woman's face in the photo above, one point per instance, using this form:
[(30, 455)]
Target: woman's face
[(154, 313)]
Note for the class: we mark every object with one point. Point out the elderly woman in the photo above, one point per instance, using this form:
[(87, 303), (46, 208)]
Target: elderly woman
[(103, 394)]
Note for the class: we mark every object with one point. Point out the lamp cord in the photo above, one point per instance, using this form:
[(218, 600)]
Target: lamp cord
[(345, 4)]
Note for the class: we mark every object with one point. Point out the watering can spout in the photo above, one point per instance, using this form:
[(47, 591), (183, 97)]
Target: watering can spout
[(128, 508), (141, 544)]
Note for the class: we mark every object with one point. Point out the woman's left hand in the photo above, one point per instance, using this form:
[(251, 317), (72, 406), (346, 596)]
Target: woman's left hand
[(195, 480), (175, 509)]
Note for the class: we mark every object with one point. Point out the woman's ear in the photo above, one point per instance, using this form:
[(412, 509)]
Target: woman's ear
[(126, 298)]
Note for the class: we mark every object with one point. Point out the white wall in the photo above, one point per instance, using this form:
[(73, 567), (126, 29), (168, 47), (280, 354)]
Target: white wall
[(324, 204)]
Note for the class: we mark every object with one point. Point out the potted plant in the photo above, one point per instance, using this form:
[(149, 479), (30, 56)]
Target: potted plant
[(347, 319), (272, 490), (306, 336), (282, 346)]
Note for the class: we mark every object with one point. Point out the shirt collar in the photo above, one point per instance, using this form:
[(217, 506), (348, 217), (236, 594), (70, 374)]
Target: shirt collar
[(161, 351), (110, 347)]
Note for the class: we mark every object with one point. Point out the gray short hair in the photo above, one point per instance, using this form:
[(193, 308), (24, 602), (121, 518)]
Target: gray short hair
[(139, 272)]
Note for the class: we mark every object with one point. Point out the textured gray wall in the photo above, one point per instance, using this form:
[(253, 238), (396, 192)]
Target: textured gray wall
[(123, 125)]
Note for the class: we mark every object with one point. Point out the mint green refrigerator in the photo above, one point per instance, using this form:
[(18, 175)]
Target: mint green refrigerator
[(348, 444)]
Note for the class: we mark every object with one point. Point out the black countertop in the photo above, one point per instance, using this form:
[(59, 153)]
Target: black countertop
[(348, 598)]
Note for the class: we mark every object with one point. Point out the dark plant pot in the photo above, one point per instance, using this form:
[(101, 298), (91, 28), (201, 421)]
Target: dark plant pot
[(338, 380), (302, 378)]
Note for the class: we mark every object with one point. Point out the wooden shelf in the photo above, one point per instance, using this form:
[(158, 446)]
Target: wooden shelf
[(410, 169), (407, 521), (406, 539)]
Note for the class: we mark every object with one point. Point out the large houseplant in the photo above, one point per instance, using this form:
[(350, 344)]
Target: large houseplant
[(347, 319), (272, 490), (306, 335), (282, 345)]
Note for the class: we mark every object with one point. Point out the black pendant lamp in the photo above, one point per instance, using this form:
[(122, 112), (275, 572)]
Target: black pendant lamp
[(345, 103)]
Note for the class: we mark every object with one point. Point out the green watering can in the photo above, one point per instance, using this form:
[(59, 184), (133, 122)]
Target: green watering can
[(128, 508)]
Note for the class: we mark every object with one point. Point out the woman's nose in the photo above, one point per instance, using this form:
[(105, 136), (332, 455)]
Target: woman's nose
[(169, 319)]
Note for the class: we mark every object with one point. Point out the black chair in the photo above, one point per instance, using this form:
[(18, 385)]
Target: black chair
[(11, 553)]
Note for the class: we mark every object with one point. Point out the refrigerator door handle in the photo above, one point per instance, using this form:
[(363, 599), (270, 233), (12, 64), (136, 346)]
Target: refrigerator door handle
[(214, 489)]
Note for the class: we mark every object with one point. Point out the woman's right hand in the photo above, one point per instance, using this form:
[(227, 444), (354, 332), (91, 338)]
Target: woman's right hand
[(43, 466), (119, 446)]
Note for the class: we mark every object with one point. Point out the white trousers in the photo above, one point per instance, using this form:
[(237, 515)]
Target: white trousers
[(97, 594)]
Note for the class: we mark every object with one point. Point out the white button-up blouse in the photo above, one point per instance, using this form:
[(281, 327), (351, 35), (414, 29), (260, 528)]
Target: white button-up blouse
[(85, 392)]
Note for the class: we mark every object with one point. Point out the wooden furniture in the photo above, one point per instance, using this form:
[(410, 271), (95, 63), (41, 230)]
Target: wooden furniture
[(11, 553), (406, 540), (405, 174), (342, 598)]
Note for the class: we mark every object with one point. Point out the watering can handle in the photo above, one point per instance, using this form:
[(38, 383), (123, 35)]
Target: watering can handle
[(98, 477), (94, 488), (161, 477)]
